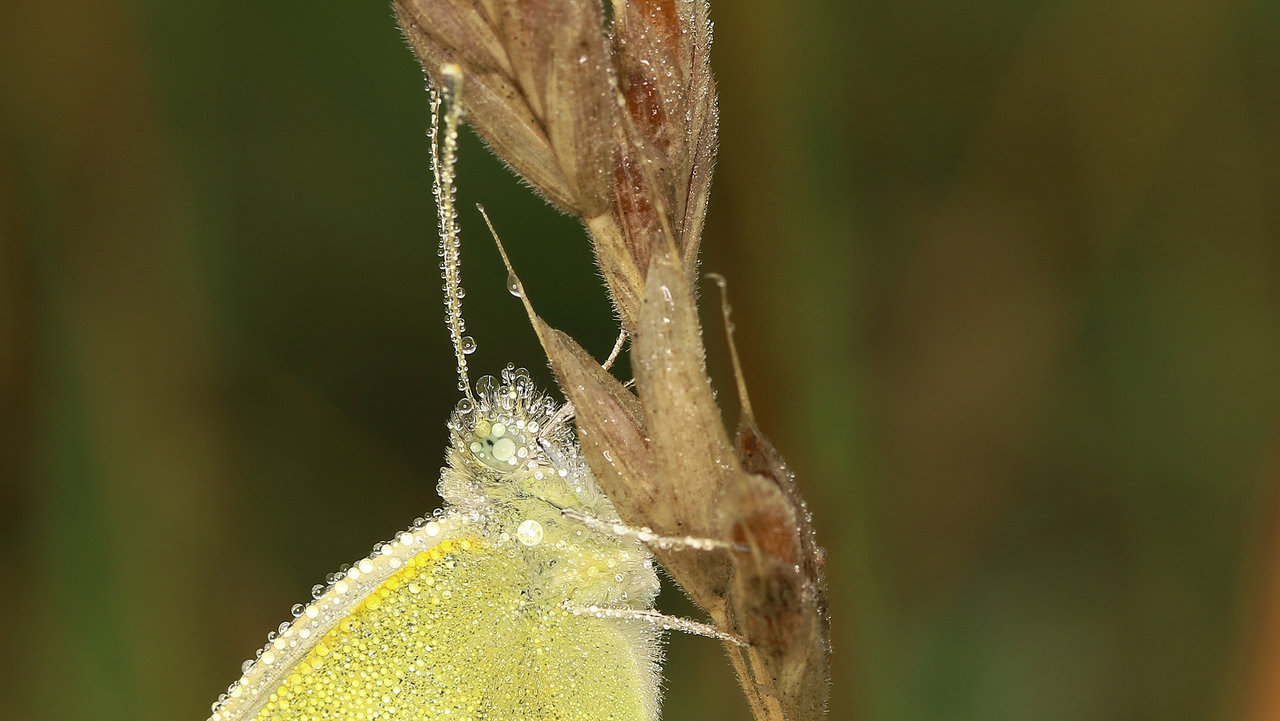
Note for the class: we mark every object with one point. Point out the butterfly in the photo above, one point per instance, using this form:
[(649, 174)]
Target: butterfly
[(522, 598)]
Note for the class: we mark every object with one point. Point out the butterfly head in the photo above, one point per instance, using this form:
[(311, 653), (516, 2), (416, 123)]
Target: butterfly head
[(512, 444)]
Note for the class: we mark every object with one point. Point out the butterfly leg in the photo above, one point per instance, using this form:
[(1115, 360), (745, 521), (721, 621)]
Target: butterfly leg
[(661, 620), (617, 350), (649, 538)]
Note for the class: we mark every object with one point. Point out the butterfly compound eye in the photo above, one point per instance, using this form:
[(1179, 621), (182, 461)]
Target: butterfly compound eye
[(496, 445)]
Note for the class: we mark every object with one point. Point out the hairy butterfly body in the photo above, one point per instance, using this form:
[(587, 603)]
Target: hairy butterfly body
[(495, 608)]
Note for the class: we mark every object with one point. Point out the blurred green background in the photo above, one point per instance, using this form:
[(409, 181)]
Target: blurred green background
[(1006, 277)]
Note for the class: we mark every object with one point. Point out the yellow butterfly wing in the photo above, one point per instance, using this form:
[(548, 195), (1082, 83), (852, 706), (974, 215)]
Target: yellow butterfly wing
[(457, 630)]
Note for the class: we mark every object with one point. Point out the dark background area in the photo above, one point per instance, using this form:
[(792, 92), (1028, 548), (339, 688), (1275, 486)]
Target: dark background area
[(1006, 278)]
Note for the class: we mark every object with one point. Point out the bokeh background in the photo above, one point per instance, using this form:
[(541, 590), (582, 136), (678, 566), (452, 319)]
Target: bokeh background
[(1006, 277)]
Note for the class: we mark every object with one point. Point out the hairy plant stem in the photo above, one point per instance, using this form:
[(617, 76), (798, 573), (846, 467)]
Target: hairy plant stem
[(611, 116)]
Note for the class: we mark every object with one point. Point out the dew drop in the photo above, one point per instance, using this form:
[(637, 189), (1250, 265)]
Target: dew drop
[(513, 285), (468, 344), (529, 532)]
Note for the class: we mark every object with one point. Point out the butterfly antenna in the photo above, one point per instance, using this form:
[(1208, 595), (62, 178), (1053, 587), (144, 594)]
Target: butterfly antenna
[(446, 114)]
